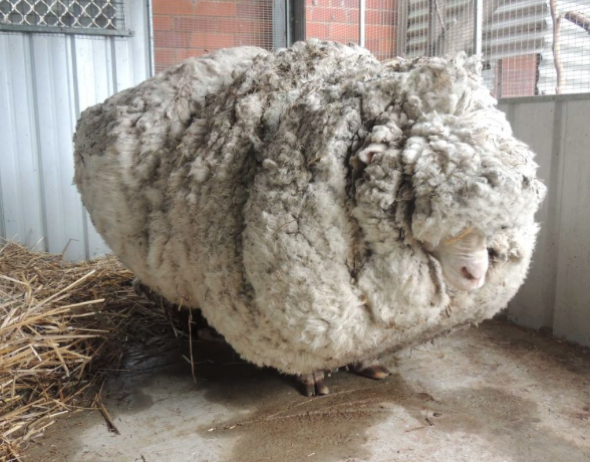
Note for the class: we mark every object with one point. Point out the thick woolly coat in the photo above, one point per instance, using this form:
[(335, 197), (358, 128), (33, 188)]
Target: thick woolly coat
[(289, 196)]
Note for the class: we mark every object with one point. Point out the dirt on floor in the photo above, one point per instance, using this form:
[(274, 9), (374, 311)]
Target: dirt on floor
[(496, 393)]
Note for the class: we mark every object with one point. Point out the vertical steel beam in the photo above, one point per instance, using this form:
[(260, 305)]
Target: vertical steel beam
[(150, 39), (478, 29), (362, 22), (297, 21), (402, 28), (280, 24)]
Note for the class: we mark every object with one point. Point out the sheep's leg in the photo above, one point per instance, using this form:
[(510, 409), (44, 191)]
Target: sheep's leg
[(141, 290), (313, 384), (371, 369), (181, 318)]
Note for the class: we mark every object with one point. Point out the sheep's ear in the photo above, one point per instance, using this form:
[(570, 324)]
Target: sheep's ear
[(366, 154)]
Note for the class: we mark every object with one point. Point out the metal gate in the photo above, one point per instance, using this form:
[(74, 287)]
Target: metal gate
[(56, 59)]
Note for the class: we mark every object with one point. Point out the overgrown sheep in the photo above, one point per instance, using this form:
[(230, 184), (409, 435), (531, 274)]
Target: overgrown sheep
[(318, 206)]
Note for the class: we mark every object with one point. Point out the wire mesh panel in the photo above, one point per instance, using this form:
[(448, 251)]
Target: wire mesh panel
[(94, 14), (565, 66), (436, 27), (336, 20), (184, 28), (529, 47), (537, 47), (381, 21)]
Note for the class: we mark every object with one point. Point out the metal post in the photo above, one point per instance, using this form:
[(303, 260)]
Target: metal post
[(150, 30), (289, 19), (295, 21), (478, 29), (280, 24), (362, 5), (402, 28)]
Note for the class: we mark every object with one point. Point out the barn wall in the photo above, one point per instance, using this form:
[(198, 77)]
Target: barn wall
[(46, 80), (555, 294)]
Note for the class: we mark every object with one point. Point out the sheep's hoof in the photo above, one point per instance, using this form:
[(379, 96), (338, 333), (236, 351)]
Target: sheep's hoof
[(374, 371), (313, 384)]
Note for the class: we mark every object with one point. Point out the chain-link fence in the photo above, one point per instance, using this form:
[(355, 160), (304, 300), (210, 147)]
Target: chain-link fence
[(529, 47)]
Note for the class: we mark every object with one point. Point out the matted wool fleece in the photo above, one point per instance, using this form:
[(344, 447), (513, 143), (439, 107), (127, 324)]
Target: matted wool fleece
[(290, 195)]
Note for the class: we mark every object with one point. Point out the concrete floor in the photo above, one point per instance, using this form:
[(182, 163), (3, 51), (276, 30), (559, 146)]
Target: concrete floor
[(497, 393)]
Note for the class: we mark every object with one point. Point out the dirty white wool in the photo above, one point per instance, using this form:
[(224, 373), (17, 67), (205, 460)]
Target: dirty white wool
[(291, 196)]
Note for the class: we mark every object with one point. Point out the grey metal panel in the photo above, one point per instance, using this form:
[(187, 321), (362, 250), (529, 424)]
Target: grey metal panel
[(533, 305), (572, 303), (556, 291), (46, 80)]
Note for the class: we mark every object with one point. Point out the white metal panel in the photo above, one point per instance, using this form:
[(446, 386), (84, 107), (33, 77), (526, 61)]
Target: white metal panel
[(94, 73), (56, 117), (46, 80), (123, 66), (19, 166)]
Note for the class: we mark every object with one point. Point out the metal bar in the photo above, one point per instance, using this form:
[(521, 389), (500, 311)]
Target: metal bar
[(297, 21), (2, 226), (478, 28), (402, 28), (65, 30), (280, 23), (362, 22), (75, 88), (36, 123), (545, 98), (288, 18), (150, 32)]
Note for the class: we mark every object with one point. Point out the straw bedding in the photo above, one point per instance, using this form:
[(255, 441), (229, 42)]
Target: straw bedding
[(62, 327)]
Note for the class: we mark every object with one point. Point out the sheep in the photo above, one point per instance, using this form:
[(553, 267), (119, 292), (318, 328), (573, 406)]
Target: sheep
[(319, 207)]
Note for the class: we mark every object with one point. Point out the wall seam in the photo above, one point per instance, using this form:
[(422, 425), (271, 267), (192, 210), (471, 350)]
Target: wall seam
[(37, 143), (76, 89), (555, 205)]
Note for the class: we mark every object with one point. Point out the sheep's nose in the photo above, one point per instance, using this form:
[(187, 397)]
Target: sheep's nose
[(466, 274), (473, 272)]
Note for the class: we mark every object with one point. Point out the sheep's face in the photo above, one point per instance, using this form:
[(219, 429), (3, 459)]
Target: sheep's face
[(464, 260)]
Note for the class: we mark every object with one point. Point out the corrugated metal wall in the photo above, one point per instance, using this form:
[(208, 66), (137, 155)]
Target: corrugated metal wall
[(556, 292), (46, 80)]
